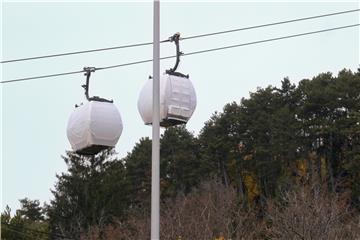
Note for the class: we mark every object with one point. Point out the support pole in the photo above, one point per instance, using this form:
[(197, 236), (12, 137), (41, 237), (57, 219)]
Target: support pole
[(155, 157)]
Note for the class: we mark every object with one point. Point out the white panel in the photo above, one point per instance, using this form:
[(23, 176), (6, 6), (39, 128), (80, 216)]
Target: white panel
[(145, 100), (77, 128), (105, 124), (181, 98), (94, 123)]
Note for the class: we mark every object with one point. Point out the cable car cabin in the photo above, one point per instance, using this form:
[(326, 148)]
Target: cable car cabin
[(177, 100), (93, 127)]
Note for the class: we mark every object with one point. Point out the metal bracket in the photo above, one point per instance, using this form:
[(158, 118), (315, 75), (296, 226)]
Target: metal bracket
[(88, 71), (175, 38)]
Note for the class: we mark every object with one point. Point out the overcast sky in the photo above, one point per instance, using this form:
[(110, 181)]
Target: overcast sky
[(35, 113)]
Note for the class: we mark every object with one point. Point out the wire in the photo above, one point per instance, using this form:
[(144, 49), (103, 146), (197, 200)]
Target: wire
[(270, 24), (16, 229), (80, 52), (271, 39), (132, 63), (188, 54), (44, 76), (185, 38)]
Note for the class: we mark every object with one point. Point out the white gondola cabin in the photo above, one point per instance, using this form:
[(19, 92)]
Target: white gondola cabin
[(177, 100), (95, 125)]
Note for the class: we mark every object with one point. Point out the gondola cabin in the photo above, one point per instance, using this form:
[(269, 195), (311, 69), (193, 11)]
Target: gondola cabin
[(93, 127), (177, 100)]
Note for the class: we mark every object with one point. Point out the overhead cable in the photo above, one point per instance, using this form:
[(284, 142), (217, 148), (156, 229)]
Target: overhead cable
[(269, 24), (184, 38), (80, 52), (187, 54), (43, 76), (17, 229), (271, 39), (231, 46)]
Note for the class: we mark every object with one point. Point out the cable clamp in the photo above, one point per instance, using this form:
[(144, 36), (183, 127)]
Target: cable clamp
[(175, 37), (89, 70)]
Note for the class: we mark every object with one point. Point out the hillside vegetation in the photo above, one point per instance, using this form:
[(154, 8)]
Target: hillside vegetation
[(281, 164)]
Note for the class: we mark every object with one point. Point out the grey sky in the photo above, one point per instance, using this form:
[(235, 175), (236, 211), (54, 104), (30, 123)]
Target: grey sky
[(35, 113)]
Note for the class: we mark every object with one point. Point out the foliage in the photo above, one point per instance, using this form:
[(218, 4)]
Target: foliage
[(214, 211), (28, 223), (259, 149), (311, 212), (90, 194), (267, 135), (182, 167), (138, 174)]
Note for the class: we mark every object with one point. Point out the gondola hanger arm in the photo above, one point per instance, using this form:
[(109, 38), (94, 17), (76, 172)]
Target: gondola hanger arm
[(88, 71), (172, 71)]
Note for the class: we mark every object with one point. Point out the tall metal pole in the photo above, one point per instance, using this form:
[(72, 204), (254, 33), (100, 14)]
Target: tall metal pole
[(155, 158)]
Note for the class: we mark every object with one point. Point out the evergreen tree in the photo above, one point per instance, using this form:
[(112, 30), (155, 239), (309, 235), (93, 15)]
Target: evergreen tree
[(138, 174), (182, 167), (90, 194), (28, 223), (31, 210)]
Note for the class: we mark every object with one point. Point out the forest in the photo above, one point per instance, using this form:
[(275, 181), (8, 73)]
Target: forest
[(283, 163)]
